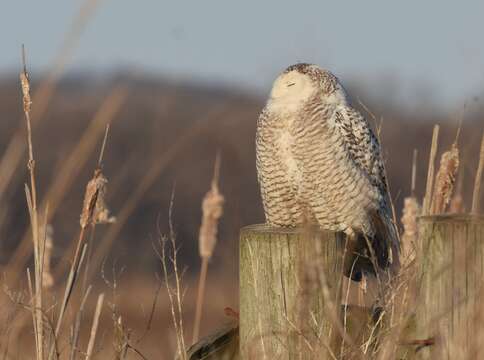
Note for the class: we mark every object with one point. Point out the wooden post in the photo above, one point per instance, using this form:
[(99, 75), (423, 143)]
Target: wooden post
[(450, 307), (290, 293)]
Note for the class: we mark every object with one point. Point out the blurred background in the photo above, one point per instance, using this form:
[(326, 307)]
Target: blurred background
[(179, 81)]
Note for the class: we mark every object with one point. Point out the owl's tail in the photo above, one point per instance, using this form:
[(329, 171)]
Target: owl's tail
[(385, 242), (378, 251)]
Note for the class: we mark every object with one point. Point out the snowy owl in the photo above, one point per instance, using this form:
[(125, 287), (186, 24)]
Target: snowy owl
[(318, 161)]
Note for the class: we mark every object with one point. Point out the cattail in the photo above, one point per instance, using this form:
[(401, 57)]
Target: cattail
[(94, 210), (25, 84), (411, 211), (93, 206), (444, 182), (212, 208)]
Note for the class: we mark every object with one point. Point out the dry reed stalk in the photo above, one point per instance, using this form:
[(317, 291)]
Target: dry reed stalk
[(48, 279), (174, 294), (431, 170), (445, 179), (477, 182), (31, 195), (212, 207), (15, 149), (414, 173), (73, 274), (70, 169), (33, 311), (151, 175), (77, 325), (120, 339), (95, 323)]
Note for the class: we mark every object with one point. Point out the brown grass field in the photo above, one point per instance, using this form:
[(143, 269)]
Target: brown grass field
[(162, 142)]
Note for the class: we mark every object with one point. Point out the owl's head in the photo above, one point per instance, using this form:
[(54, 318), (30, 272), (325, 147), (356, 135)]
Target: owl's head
[(303, 82)]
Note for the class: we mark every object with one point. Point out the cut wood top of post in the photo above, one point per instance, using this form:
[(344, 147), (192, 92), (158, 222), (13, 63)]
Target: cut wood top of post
[(452, 218), (264, 228)]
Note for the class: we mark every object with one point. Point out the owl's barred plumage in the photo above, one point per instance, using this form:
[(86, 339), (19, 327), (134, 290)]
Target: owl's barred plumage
[(318, 161)]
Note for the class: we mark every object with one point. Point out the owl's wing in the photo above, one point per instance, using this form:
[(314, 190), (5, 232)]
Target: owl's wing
[(362, 146), (364, 151)]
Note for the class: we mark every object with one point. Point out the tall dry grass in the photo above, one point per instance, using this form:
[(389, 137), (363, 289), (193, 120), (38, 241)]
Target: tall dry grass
[(58, 296)]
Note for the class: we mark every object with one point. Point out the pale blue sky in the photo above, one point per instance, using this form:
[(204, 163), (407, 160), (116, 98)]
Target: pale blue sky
[(438, 45)]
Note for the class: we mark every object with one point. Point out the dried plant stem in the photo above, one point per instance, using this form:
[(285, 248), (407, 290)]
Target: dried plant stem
[(95, 323), (477, 183), (431, 171), (48, 279), (105, 139), (33, 311), (89, 246), (174, 297), (31, 195), (77, 325), (174, 294), (178, 290), (200, 296), (73, 274), (414, 173)]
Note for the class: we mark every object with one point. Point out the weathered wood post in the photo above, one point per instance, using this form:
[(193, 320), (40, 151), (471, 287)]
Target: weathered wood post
[(290, 293), (450, 301)]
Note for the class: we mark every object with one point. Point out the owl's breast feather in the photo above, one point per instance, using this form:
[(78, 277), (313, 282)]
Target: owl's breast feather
[(286, 146)]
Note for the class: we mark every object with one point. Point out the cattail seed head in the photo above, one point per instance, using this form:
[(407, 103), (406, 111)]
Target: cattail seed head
[(444, 182), (25, 84), (94, 210), (411, 211), (212, 208)]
